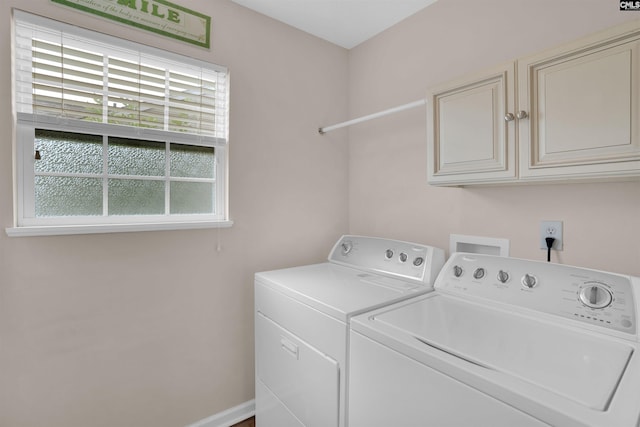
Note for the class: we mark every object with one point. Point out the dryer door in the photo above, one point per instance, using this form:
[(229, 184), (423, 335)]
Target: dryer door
[(302, 378)]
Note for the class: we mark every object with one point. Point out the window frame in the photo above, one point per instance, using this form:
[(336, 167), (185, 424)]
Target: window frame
[(25, 125)]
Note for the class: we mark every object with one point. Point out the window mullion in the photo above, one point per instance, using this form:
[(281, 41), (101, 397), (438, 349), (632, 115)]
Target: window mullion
[(167, 173), (167, 179), (105, 138), (105, 175)]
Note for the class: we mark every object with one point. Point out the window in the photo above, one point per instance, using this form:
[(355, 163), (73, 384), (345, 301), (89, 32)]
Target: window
[(114, 133)]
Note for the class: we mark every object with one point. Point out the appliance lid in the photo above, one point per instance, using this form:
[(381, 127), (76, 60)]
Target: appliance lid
[(337, 290), (582, 367)]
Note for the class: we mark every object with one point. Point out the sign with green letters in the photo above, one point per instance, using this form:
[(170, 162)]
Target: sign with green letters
[(159, 16)]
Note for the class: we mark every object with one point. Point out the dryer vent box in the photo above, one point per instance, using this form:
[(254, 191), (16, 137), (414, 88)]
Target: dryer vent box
[(478, 245)]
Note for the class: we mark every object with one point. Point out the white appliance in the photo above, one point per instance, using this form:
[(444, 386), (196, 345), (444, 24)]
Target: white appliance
[(501, 342), (301, 324)]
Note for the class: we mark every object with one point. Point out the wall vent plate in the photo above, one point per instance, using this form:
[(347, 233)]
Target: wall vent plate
[(478, 245)]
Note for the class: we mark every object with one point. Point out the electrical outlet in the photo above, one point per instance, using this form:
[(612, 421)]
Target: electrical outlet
[(551, 229)]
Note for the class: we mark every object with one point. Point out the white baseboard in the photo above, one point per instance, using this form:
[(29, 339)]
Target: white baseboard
[(229, 417)]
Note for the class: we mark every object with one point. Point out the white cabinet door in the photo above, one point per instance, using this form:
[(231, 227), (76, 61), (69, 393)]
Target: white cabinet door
[(469, 140), (582, 101)]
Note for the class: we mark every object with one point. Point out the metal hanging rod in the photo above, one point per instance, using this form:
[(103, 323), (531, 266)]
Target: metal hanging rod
[(397, 109)]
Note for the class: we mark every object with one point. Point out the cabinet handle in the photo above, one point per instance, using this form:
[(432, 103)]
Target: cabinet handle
[(522, 114), (509, 117)]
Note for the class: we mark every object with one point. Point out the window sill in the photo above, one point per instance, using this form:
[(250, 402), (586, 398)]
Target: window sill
[(59, 230)]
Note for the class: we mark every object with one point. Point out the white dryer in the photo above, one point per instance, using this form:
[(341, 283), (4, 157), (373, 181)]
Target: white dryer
[(501, 342), (301, 324)]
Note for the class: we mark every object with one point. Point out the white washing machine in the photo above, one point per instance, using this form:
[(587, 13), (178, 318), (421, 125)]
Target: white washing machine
[(301, 324), (501, 342)]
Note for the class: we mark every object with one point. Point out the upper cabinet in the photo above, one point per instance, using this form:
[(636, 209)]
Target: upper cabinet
[(573, 109)]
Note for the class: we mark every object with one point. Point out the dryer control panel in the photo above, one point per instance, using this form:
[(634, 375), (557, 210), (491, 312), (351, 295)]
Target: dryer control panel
[(394, 258), (596, 298)]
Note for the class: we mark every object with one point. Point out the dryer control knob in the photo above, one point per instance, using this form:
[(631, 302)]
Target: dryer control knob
[(479, 273), (503, 276), (457, 271), (529, 281), (346, 247), (595, 296)]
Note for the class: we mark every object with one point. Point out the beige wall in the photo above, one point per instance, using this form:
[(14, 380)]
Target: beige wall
[(389, 195), (156, 328)]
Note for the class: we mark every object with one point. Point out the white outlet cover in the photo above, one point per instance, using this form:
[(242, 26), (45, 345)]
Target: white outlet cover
[(551, 229)]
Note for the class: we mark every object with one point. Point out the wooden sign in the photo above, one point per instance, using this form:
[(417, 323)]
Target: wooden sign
[(158, 16)]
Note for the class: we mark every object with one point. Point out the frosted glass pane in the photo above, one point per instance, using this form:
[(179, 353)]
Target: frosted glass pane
[(68, 152), (136, 197), (136, 157), (192, 161), (192, 198), (67, 196)]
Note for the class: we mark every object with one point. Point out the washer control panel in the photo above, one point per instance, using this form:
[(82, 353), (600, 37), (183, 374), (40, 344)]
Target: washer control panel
[(395, 258), (589, 296)]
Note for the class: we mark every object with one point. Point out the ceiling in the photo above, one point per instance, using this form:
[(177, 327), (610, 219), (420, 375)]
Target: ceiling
[(346, 23)]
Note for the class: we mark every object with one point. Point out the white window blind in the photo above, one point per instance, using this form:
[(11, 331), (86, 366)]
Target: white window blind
[(66, 72)]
